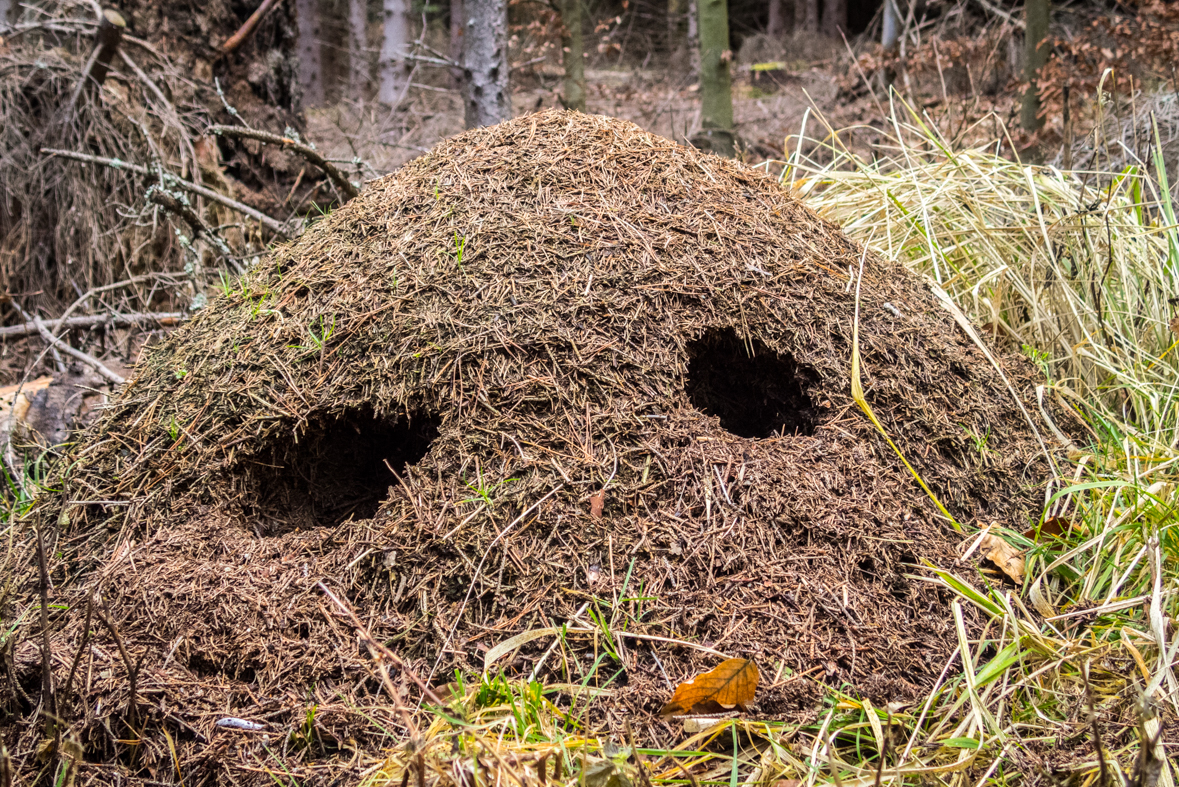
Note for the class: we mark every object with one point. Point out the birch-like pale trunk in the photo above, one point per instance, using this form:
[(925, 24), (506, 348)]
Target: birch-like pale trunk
[(890, 32), (486, 96), (394, 52), (310, 61), (357, 43)]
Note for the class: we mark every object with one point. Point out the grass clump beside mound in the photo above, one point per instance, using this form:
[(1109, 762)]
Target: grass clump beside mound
[(560, 381)]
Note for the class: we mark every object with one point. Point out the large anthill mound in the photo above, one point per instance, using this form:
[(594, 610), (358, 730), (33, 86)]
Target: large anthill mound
[(547, 366)]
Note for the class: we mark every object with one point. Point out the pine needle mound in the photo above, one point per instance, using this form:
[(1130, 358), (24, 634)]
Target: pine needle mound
[(553, 368)]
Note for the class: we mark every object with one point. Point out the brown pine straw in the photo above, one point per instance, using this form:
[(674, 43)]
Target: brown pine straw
[(561, 302)]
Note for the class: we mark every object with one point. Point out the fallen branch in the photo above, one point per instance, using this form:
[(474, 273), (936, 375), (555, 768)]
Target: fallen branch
[(274, 225), (166, 319), (89, 360), (346, 188), (236, 40), (180, 207)]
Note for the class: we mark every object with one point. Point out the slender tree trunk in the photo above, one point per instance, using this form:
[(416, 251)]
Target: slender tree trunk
[(394, 49), (834, 17), (777, 24), (811, 21), (890, 39), (357, 43), (571, 44), (486, 97), (890, 32), (677, 27), (457, 20), (310, 61), (694, 34), (1035, 47), (716, 97), (5, 11)]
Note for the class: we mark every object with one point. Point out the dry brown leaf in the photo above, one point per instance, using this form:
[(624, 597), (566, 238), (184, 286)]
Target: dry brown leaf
[(596, 501), (1054, 527), (1006, 557), (731, 684)]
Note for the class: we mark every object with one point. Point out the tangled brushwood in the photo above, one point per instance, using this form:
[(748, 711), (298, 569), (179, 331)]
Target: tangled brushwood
[(555, 371), (137, 103)]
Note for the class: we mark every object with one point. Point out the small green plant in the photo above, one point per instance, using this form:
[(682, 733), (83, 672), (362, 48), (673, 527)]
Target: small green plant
[(460, 245), (1041, 359), (483, 490), (180, 373), (173, 429), (980, 441), (318, 339)]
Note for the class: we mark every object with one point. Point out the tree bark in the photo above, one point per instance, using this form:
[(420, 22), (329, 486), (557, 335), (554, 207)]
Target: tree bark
[(357, 44), (1036, 49), (677, 26), (394, 51), (811, 22), (694, 34), (777, 24), (486, 98), (457, 20), (716, 97), (5, 11), (890, 32), (573, 49), (310, 61), (834, 17)]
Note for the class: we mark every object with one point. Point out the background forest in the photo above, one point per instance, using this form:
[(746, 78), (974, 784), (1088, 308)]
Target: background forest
[(1020, 157)]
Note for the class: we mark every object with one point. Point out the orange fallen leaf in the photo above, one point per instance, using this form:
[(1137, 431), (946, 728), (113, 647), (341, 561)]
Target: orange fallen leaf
[(731, 684), (1006, 557), (596, 501)]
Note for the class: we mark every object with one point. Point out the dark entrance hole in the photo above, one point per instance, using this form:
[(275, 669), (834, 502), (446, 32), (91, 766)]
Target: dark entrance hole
[(338, 469), (754, 395)]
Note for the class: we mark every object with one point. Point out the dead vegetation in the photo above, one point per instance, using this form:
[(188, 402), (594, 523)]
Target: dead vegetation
[(558, 370)]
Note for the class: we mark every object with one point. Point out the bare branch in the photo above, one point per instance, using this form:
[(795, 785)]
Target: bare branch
[(236, 40), (274, 225), (167, 319), (347, 190), (89, 360)]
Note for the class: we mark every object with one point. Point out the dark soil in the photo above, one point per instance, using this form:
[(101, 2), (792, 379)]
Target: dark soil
[(422, 402)]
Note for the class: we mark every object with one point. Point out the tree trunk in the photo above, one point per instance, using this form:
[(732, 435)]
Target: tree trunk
[(890, 33), (716, 98), (834, 17), (394, 49), (677, 27), (1035, 47), (5, 11), (571, 44), (694, 34), (777, 24), (811, 22), (357, 44), (457, 20), (486, 98), (310, 61)]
